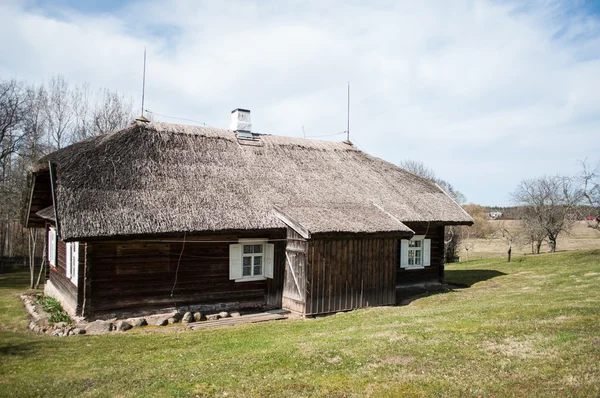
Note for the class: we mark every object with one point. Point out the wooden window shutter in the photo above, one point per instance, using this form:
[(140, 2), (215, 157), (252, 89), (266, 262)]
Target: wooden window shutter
[(68, 256), (235, 261), (75, 263), (404, 253), (426, 252), (269, 259), (52, 246)]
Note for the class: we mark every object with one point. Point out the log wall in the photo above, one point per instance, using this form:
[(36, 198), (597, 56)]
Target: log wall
[(142, 276)]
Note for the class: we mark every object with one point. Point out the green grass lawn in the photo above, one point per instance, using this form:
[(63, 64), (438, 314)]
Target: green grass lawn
[(530, 328)]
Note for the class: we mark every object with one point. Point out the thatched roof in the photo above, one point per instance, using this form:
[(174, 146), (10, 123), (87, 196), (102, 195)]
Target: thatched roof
[(153, 178)]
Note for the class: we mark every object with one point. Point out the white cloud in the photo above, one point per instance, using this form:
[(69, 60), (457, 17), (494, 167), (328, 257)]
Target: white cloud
[(485, 93)]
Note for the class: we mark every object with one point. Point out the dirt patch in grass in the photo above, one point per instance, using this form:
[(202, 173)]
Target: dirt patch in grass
[(397, 360), (562, 318), (540, 276), (516, 348), (390, 336), (592, 274)]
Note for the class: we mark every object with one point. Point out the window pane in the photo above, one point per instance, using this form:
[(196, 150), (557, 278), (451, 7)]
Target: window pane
[(246, 271), (257, 270), (247, 249), (411, 261), (418, 243), (411, 243), (258, 260), (258, 248), (411, 253), (247, 261)]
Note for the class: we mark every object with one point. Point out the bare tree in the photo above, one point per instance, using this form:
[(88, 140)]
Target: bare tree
[(465, 239), (590, 178), (418, 168), (59, 111), (35, 126), (534, 233), (549, 204), (12, 110), (83, 126), (511, 236), (112, 112)]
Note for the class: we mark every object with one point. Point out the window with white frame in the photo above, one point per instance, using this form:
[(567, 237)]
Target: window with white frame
[(52, 246), (73, 261), (251, 259), (415, 253)]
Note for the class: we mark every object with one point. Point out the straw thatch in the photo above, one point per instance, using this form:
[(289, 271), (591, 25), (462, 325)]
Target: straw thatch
[(153, 178)]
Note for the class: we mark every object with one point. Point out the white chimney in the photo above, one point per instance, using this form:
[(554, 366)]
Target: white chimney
[(240, 120)]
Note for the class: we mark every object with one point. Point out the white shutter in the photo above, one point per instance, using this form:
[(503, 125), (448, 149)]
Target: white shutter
[(404, 253), (426, 252), (52, 246), (235, 261), (75, 263), (68, 256), (269, 259)]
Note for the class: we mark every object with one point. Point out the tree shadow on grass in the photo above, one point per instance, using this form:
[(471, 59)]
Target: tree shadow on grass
[(22, 349), (455, 280), (15, 278), (17, 344)]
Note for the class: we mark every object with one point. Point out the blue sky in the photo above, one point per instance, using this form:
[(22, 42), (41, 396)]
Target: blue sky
[(486, 93)]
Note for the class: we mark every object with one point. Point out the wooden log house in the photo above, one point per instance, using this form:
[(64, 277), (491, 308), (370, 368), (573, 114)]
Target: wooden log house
[(158, 216)]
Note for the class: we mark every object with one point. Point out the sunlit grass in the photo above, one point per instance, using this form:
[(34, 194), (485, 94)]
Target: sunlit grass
[(530, 328)]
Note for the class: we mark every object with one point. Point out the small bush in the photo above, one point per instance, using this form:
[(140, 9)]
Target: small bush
[(52, 306)]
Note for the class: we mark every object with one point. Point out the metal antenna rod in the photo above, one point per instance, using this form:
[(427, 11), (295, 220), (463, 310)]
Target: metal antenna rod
[(144, 81), (348, 125)]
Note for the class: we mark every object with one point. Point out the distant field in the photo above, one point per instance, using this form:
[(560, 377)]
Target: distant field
[(580, 238)]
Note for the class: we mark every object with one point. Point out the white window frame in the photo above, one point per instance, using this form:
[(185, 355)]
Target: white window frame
[(424, 249), (52, 244), (72, 254), (236, 259)]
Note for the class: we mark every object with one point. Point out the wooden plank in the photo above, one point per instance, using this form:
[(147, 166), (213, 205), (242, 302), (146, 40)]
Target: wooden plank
[(295, 225), (245, 319), (87, 277), (314, 272), (391, 288), (378, 267), (359, 272), (335, 270), (326, 276), (345, 274), (321, 278), (384, 264)]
